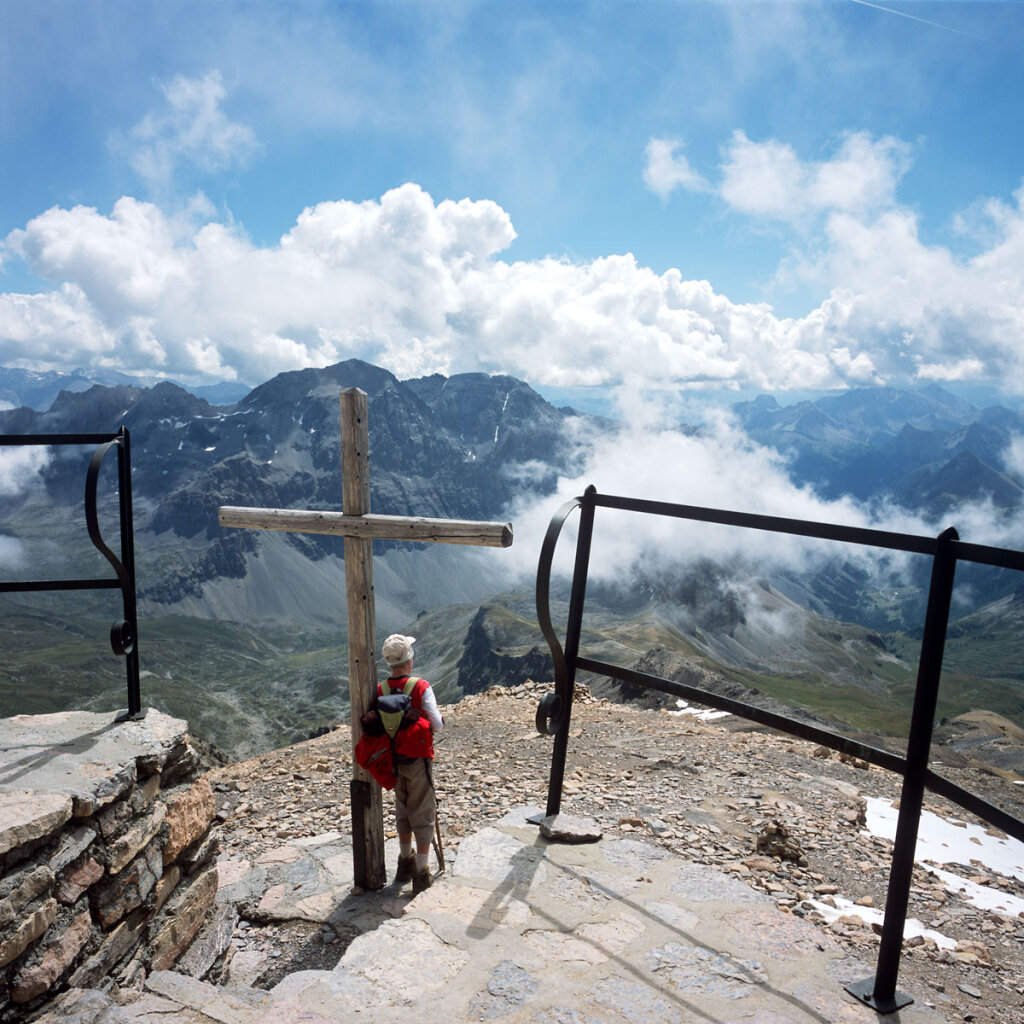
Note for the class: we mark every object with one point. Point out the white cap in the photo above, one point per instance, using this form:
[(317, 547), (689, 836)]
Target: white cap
[(397, 648)]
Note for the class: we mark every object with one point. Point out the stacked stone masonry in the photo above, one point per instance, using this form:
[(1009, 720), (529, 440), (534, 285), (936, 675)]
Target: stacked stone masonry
[(108, 855)]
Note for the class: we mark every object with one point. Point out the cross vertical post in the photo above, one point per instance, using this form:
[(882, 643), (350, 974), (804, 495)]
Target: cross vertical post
[(367, 804)]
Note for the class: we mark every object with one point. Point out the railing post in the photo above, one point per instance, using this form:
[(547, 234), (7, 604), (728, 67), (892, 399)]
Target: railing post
[(131, 616), (880, 992), (573, 629)]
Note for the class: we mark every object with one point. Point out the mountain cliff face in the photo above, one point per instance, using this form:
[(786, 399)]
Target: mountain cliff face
[(37, 389), (482, 664), (439, 447), (461, 446)]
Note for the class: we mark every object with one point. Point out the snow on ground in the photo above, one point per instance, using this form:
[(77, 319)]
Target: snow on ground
[(704, 714), (847, 908), (986, 897), (942, 842)]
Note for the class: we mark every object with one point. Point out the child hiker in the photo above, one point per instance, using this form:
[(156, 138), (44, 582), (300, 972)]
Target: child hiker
[(415, 804)]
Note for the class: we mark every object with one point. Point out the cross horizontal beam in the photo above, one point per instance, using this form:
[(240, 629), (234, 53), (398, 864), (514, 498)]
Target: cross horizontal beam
[(369, 527)]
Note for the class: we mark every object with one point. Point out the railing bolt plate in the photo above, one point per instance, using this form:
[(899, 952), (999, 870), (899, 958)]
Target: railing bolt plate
[(865, 992)]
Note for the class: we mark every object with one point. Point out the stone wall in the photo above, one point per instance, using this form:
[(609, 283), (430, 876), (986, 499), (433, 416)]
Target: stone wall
[(107, 855)]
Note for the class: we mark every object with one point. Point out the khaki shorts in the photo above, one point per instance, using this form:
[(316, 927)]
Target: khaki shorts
[(415, 804)]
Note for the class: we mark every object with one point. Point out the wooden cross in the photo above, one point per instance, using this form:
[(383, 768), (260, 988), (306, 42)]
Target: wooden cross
[(359, 530)]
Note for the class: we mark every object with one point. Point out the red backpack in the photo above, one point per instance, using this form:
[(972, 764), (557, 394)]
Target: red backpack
[(393, 726)]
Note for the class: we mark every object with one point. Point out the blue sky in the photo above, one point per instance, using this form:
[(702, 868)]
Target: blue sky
[(775, 196)]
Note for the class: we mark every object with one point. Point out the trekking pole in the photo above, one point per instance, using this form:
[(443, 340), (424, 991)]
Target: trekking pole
[(438, 847)]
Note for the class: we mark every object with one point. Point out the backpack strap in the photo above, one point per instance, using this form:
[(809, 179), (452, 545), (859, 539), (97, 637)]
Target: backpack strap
[(410, 684)]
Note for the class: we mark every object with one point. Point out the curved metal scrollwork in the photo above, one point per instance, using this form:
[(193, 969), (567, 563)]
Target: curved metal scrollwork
[(552, 707), (122, 638)]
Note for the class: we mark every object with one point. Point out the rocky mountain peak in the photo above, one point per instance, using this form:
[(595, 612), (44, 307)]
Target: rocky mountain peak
[(294, 386), (439, 447), (481, 666)]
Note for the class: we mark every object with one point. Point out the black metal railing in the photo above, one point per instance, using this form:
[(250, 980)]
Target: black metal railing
[(946, 550), (124, 632)]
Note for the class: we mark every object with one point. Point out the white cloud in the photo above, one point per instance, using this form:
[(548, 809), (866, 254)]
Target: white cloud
[(192, 130), (964, 369), (899, 308), (20, 467), (855, 368), (12, 552), (377, 279), (768, 179), (420, 287), (939, 317), (1013, 457), (719, 466), (666, 170), (982, 221)]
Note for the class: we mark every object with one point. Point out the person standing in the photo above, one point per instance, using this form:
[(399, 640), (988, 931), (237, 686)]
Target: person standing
[(415, 802)]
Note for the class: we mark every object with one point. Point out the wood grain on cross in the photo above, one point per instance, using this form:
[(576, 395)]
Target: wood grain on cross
[(359, 529)]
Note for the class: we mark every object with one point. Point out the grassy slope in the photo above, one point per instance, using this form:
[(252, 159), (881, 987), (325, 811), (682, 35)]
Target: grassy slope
[(246, 689), (241, 689)]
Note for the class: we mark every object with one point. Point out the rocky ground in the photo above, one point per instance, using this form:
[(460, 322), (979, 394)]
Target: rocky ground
[(782, 815)]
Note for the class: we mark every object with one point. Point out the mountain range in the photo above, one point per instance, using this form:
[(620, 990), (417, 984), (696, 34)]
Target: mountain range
[(37, 389), (243, 631), (442, 447), (926, 450)]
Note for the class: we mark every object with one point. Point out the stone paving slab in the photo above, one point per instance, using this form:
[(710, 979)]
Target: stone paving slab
[(307, 879), (524, 931)]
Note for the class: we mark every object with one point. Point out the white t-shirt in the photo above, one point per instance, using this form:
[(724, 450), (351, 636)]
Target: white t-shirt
[(429, 708)]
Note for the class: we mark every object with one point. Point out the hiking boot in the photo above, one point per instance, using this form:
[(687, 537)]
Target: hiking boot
[(421, 880), (406, 868)]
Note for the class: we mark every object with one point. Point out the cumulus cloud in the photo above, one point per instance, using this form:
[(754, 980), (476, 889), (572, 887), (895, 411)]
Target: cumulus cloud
[(666, 170), (403, 281), (192, 130), (420, 287), (948, 318), (768, 179), (377, 279)]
